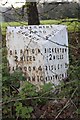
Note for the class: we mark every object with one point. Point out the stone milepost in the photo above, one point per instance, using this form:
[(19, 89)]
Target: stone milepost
[(41, 52)]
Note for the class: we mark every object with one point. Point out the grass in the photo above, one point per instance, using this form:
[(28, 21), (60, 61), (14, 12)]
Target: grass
[(5, 24), (72, 26)]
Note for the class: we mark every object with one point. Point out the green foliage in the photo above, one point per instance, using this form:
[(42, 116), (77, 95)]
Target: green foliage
[(22, 111), (71, 25), (27, 90), (24, 100), (78, 111), (47, 87), (26, 97), (18, 75)]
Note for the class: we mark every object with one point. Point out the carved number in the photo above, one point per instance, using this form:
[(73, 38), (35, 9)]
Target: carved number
[(50, 57)]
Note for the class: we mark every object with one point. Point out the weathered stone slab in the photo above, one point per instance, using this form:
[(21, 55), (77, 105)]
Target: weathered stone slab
[(40, 51)]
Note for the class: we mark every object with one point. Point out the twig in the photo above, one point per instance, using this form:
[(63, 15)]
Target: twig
[(29, 98), (66, 104), (74, 104), (42, 116)]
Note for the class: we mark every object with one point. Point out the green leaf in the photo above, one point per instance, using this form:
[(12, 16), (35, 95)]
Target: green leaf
[(47, 87), (30, 109), (24, 112)]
